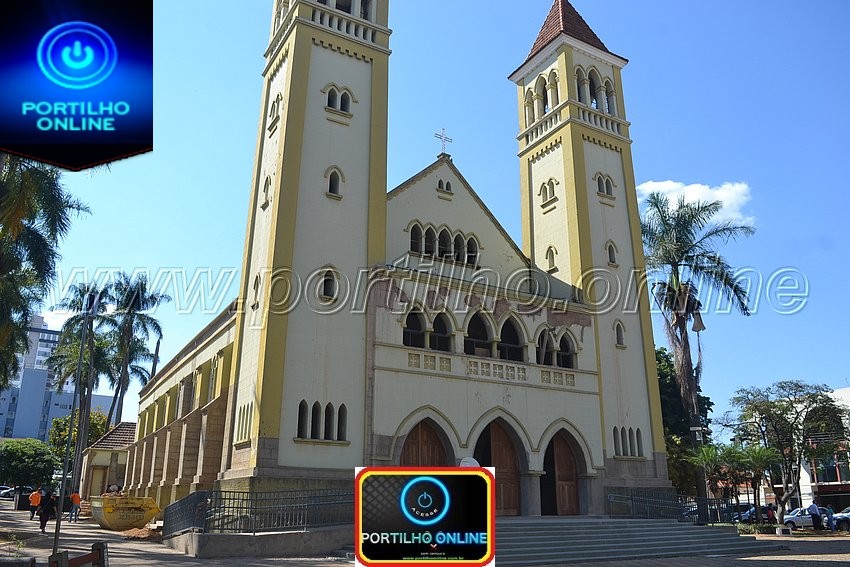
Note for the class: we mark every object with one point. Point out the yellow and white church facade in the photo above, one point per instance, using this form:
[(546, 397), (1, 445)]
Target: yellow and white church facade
[(406, 327)]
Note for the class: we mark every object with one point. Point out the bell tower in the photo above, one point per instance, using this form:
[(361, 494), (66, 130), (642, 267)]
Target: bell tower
[(580, 221), (321, 162)]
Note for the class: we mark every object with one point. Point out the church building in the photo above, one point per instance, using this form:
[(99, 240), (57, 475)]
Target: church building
[(407, 327)]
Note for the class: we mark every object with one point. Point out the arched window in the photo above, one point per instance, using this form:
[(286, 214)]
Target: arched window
[(580, 79), (529, 108), (617, 450), (550, 259), (551, 185), (566, 353), (610, 99), (448, 186), (302, 419), (316, 421), (332, 98), (545, 349), (342, 424), (540, 98), (345, 102), (472, 252), (553, 88), (366, 9), (256, 303), (624, 441), (267, 191), (415, 238), (441, 336), (440, 185), (632, 450), (600, 185), (333, 183), (344, 5), (511, 345), (430, 241), (445, 244), (328, 290), (639, 443), (460, 248), (477, 341), (612, 254), (414, 330), (620, 334), (609, 187), (329, 422), (595, 91)]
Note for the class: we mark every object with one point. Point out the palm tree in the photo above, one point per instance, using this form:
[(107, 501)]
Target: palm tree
[(133, 300), (138, 353), (760, 460), (35, 214), (681, 245)]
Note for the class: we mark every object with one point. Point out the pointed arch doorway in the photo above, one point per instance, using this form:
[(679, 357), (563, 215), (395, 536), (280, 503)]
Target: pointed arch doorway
[(495, 448), (559, 487), (423, 447)]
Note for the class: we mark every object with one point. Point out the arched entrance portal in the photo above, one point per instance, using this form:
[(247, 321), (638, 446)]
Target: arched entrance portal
[(496, 449), (559, 486), (423, 447)]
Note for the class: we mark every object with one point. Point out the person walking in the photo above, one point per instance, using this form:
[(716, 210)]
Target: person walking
[(771, 514), (814, 512), (35, 501), (47, 510), (74, 514)]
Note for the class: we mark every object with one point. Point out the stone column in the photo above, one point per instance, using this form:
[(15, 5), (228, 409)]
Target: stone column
[(212, 428), (601, 99), (585, 91), (529, 484)]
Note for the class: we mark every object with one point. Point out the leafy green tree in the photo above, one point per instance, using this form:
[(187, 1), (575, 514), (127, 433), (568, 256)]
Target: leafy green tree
[(677, 434), (132, 321), (800, 421), (57, 436), (35, 214), (681, 245), (26, 462)]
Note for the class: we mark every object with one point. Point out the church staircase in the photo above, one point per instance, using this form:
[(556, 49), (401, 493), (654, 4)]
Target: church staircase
[(561, 540)]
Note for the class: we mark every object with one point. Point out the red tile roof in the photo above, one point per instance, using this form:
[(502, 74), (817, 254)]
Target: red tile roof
[(119, 437), (563, 18)]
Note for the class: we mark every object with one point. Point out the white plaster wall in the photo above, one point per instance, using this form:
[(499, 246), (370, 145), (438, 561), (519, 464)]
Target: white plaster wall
[(325, 353), (259, 254), (624, 370), (552, 226)]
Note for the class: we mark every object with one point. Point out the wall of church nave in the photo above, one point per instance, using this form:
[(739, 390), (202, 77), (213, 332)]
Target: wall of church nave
[(424, 204), (463, 405)]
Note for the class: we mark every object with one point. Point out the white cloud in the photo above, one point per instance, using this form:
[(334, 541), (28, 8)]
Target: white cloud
[(734, 196), (55, 319)]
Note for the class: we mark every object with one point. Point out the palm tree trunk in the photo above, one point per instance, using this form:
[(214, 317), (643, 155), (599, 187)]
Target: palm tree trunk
[(112, 405)]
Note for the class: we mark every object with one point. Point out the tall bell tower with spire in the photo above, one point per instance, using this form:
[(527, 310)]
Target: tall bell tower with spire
[(580, 223), (316, 219)]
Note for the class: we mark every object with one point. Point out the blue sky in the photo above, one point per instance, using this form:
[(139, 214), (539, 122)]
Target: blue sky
[(743, 96)]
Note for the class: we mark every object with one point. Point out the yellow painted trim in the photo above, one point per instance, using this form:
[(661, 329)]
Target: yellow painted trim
[(646, 337)]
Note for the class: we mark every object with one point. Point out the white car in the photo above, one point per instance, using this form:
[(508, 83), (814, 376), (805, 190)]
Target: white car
[(800, 518), (842, 520)]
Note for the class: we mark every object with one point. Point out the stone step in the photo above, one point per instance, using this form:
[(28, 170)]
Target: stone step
[(593, 539), (606, 534), (526, 557)]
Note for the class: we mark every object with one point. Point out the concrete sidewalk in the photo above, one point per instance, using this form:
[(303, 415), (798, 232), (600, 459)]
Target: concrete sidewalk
[(78, 538)]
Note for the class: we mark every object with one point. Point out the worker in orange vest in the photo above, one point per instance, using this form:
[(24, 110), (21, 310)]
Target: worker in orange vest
[(74, 515), (35, 500)]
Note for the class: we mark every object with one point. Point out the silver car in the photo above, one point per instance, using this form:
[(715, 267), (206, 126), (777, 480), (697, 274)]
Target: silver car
[(800, 518)]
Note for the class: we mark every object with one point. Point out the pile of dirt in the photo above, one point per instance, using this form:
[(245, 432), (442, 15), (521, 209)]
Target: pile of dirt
[(142, 534)]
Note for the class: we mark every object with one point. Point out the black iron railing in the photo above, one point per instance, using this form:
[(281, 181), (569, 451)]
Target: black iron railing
[(641, 503), (218, 511)]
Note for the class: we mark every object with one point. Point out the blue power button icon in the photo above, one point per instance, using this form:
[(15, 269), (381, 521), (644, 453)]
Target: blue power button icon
[(77, 55)]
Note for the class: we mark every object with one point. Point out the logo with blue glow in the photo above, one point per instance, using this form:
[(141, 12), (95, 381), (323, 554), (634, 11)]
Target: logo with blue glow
[(425, 500), (77, 55)]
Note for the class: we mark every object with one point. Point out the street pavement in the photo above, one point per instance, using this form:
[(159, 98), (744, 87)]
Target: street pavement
[(803, 549)]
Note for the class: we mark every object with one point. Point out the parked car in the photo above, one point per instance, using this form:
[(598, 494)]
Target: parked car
[(749, 516), (3, 488), (800, 518), (842, 519), (9, 492)]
